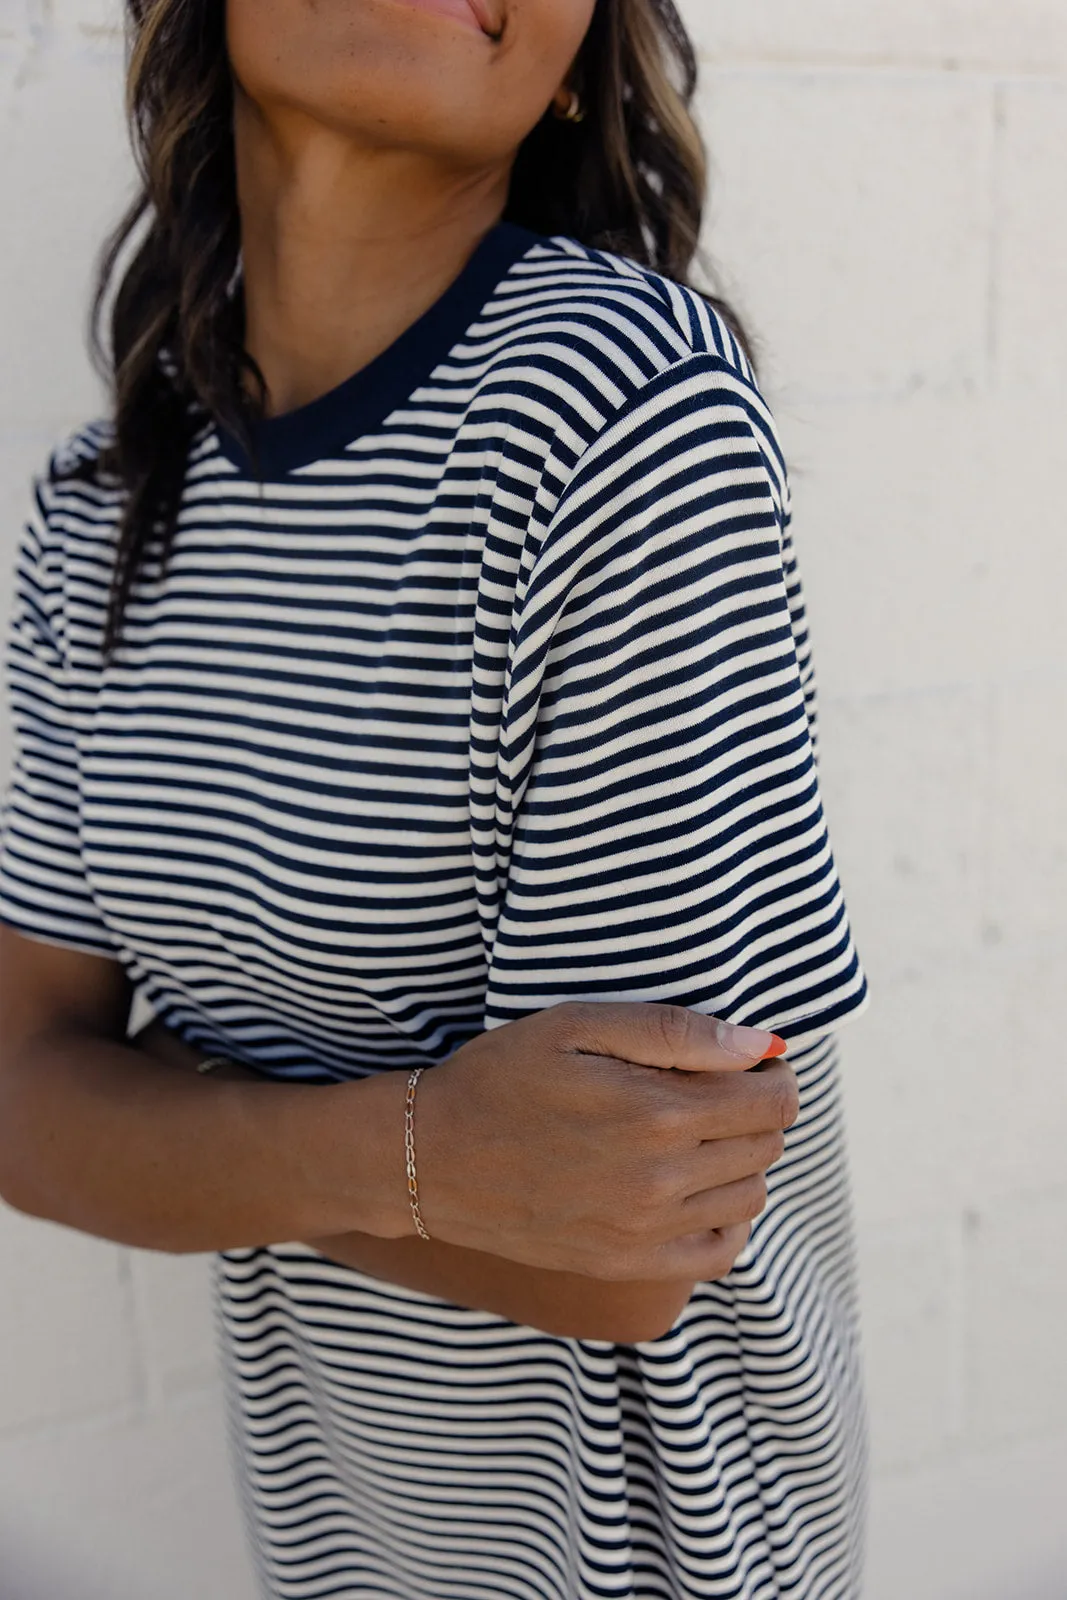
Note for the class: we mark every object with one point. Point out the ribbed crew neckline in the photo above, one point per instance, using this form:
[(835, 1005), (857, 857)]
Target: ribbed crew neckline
[(323, 428)]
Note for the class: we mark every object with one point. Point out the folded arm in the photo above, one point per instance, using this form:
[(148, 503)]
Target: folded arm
[(561, 1303)]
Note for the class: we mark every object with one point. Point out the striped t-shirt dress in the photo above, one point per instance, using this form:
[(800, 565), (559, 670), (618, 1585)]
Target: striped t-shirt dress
[(485, 686)]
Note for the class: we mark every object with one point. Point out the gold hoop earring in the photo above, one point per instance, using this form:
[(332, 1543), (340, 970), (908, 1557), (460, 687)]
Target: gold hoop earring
[(574, 110)]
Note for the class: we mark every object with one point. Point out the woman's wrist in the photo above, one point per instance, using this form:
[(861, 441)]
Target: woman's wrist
[(358, 1180), (357, 1174)]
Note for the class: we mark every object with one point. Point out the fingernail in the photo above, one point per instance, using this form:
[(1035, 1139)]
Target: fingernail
[(753, 1042)]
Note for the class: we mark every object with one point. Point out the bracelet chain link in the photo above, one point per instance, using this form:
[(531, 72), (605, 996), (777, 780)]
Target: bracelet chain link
[(212, 1063), (409, 1151)]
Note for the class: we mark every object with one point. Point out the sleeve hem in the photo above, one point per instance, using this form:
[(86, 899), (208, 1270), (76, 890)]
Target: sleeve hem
[(104, 948), (811, 1025)]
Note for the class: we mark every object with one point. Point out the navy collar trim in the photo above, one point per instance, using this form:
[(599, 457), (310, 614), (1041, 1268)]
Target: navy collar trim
[(323, 429)]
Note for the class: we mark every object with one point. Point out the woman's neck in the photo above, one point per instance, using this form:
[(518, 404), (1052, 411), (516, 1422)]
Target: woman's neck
[(343, 248)]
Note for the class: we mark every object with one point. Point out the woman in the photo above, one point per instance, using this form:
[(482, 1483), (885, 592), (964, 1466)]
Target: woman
[(413, 674)]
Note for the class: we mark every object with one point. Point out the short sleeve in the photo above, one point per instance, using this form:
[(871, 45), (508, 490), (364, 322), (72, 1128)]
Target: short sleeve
[(668, 840), (44, 892)]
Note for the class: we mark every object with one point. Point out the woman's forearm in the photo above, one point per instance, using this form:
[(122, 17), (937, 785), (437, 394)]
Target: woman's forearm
[(95, 1136), (561, 1303)]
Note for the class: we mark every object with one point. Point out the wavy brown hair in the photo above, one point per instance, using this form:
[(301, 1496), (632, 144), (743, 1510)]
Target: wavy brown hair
[(168, 314)]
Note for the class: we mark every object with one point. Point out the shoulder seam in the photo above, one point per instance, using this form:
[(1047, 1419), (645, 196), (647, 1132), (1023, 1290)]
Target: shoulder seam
[(708, 359), (80, 448), (700, 326)]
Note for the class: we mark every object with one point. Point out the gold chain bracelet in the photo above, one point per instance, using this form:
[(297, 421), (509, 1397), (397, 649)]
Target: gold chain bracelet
[(213, 1063), (409, 1151)]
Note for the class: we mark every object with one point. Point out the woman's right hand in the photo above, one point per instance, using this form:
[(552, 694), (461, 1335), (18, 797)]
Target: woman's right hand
[(564, 1140)]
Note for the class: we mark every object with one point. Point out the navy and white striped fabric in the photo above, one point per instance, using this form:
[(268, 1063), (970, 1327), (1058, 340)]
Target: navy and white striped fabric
[(488, 688)]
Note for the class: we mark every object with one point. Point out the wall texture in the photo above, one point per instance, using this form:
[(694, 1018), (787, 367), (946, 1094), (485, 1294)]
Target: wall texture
[(890, 209)]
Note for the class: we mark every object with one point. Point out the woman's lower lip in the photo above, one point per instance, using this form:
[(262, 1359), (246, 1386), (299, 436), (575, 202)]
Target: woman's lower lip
[(459, 10)]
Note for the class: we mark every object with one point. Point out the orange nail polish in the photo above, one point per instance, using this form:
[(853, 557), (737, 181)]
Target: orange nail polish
[(779, 1047)]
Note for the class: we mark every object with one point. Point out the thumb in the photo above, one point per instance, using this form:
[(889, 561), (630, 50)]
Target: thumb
[(731, 1047), (653, 1033)]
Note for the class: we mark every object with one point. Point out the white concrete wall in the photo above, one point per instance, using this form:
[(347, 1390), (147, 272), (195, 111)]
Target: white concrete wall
[(890, 208)]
